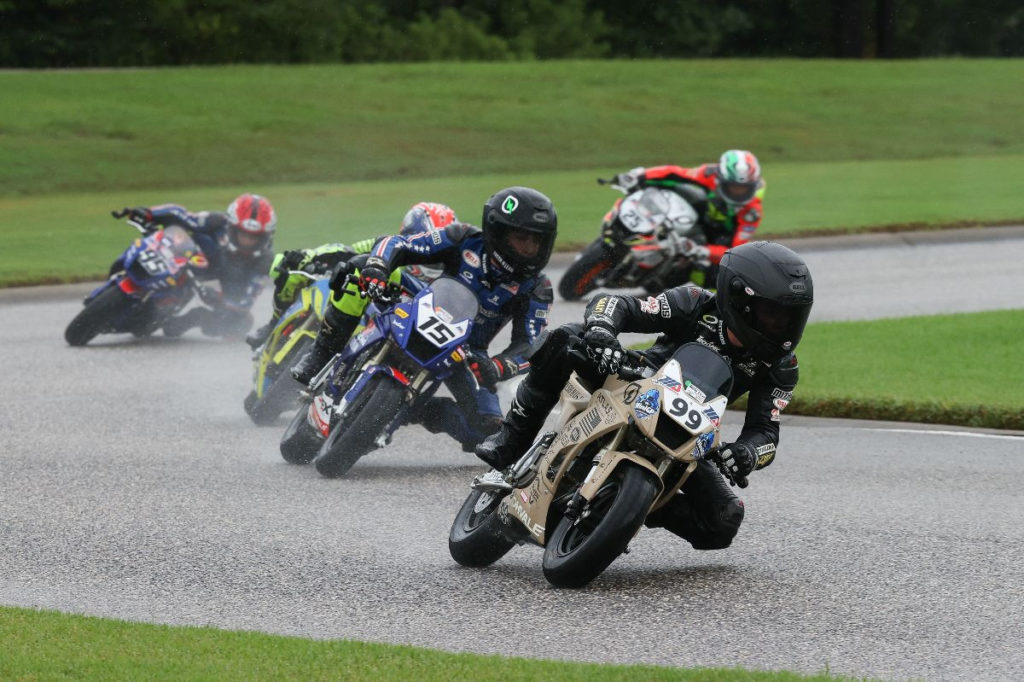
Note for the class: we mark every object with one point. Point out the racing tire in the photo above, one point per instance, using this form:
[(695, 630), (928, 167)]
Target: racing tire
[(97, 316), (357, 430), (478, 536), (577, 551), (581, 277), (300, 441), (281, 394)]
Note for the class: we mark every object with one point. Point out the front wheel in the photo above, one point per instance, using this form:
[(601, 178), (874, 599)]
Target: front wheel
[(280, 394), (300, 441), (578, 550), (478, 536), (97, 316), (358, 430), (582, 276)]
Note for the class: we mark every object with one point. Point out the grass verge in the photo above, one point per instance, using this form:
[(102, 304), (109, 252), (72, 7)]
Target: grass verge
[(89, 130), (939, 369), (64, 238), (54, 646)]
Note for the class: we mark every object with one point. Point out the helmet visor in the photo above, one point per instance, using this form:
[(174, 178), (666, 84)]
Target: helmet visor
[(737, 192), (780, 324)]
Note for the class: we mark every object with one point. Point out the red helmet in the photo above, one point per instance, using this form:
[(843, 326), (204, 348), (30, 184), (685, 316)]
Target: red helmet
[(251, 225), (426, 216)]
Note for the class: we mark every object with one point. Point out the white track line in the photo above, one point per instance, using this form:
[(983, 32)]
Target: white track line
[(953, 433)]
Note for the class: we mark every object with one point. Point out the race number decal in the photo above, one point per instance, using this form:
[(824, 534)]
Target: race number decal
[(435, 324)]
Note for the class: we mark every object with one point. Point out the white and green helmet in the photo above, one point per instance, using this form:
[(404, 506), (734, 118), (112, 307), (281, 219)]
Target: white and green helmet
[(739, 176)]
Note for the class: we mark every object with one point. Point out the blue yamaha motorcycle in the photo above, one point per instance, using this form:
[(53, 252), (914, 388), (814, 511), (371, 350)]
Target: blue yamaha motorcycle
[(150, 282), (365, 393)]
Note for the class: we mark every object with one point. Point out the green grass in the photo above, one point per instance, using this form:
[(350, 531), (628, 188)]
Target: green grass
[(71, 237), (54, 646), (945, 369), (64, 131)]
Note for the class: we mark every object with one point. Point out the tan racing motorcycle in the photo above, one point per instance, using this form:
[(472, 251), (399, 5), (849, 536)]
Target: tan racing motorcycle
[(617, 452)]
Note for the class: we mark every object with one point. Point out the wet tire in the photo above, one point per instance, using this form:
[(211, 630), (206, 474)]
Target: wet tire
[(358, 429), (97, 316), (578, 551), (300, 441), (581, 277), (478, 536), (281, 394)]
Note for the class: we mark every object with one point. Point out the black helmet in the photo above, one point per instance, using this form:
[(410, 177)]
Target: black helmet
[(764, 296), (522, 210)]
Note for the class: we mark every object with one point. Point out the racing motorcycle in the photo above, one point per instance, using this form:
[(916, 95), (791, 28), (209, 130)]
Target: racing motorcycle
[(641, 244), (274, 390), (617, 452), (400, 357), (151, 281)]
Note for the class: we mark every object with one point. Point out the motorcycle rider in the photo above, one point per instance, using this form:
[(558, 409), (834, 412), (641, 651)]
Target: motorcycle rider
[(755, 321), (502, 263), (238, 245), (727, 197), (422, 217)]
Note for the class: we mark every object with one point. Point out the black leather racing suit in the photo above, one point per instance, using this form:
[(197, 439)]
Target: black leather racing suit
[(706, 512)]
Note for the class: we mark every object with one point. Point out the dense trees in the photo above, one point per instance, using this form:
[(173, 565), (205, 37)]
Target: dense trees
[(67, 33)]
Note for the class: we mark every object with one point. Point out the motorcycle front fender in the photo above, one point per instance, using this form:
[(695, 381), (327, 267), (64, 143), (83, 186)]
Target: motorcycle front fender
[(609, 461)]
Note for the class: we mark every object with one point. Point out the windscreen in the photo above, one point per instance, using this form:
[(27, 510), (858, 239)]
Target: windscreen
[(705, 368), (455, 298)]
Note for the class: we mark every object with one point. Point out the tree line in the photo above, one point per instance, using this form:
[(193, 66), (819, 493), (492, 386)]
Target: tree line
[(119, 33)]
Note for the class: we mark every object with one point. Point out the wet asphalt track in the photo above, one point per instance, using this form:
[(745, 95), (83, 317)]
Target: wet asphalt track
[(133, 486)]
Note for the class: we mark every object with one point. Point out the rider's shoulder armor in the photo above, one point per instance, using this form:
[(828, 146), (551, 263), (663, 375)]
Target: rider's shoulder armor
[(458, 232)]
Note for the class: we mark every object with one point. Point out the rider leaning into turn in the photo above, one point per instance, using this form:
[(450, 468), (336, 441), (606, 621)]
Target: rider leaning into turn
[(502, 263), (755, 321), (288, 281), (731, 211), (238, 245)]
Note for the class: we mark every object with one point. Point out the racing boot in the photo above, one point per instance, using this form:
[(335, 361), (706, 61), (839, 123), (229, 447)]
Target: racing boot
[(178, 325), (259, 336), (529, 409), (334, 332)]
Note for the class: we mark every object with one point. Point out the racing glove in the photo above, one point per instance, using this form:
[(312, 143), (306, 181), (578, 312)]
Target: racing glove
[(489, 371), (485, 370), (628, 181), (736, 460), (339, 278), (604, 349), (373, 280), (698, 253), (139, 214)]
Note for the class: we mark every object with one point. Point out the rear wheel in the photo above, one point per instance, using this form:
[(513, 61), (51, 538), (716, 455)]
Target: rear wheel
[(578, 550), (359, 428), (581, 277), (280, 394), (300, 441), (478, 536), (97, 316)]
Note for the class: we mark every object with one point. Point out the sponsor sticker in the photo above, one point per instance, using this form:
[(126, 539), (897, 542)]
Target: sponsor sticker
[(649, 305), (648, 404), (695, 393), (471, 258)]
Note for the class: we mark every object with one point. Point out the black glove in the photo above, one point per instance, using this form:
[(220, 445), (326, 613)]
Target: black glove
[(604, 349), (484, 369), (292, 260), (373, 280), (139, 214), (736, 460), (339, 278)]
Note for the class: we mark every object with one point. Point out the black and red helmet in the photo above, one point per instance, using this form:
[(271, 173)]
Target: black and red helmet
[(251, 225), (519, 225), (764, 297)]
